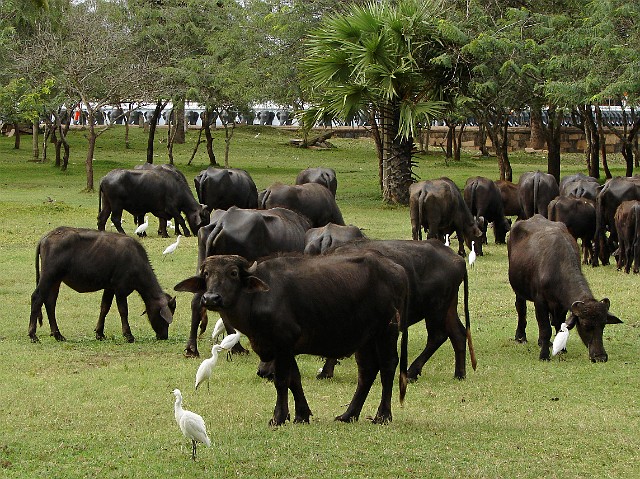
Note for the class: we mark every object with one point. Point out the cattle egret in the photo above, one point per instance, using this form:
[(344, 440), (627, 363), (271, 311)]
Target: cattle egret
[(217, 330), (142, 229), (170, 225), (446, 240), (206, 367), (173, 246), (472, 254), (191, 424), (560, 341), (229, 342)]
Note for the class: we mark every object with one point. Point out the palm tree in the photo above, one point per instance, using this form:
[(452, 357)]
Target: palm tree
[(385, 59)]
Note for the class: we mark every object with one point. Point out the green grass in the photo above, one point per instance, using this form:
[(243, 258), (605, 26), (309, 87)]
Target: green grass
[(86, 408)]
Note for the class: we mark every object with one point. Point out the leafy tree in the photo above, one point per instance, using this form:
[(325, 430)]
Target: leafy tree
[(380, 58)]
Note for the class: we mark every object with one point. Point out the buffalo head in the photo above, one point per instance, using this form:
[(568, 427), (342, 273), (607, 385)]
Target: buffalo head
[(590, 317), (160, 314)]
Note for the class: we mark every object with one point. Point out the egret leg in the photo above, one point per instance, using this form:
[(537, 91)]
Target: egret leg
[(193, 449)]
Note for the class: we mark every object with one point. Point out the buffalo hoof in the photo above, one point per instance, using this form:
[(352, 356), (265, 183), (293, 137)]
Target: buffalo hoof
[(191, 353), (460, 376), (278, 421), (521, 338), (346, 418), (100, 336), (58, 336), (302, 418), (129, 337), (545, 356), (34, 338), (323, 374), (382, 419)]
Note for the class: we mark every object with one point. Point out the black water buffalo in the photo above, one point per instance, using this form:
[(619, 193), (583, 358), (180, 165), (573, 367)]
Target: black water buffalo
[(252, 234), (627, 221), (544, 267), (484, 200), (179, 176), (88, 260), (155, 191), (435, 274), (319, 240), (612, 194), (510, 198), (309, 199), (579, 216), (580, 186), (536, 190), (221, 188), (275, 303), (324, 176), (438, 207)]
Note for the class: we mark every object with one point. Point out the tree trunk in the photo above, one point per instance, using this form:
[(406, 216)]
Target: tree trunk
[(536, 141), (35, 142), (397, 163), (451, 134), (228, 135), (482, 139), (603, 143), (497, 132), (90, 150), (16, 136), (552, 136), (153, 123), (195, 148), (593, 140), (206, 125), (377, 139), (178, 122), (457, 150)]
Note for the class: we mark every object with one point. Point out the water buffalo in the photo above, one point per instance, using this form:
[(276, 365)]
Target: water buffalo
[(324, 176), (580, 186), (536, 190), (579, 216), (142, 191), (484, 200), (275, 303), (252, 234), (544, 267), (510, 198), (88, 260), (221, 188), (435, 274), (319, 240), (612, 194), (627, 221), (309, 199), (438, 207)]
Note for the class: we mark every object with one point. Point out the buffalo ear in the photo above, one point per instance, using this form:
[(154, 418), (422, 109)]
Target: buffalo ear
[(165, 313), (256, 285), (611, 319), (195, 284), (606, 302)]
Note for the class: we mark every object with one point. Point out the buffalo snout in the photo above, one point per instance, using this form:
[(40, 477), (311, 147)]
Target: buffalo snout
[(211, 300)]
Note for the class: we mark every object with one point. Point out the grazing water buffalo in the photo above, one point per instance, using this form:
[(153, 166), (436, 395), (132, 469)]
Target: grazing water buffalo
[(438, 207), (319, 240), (435, 274), (221, 188), (536, 190), (309, 199), (324, 176), (544, 267), (612, 194), (580, 186), (88, 260), (142, 191), (627, 221), (579, 216), (483, 198), (252, 234), (510, 198), (331, 306)]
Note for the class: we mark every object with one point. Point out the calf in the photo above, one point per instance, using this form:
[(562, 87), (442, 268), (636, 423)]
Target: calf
[(579, 216), (88, 260), (331, 306), (627, 221), (544, 267)]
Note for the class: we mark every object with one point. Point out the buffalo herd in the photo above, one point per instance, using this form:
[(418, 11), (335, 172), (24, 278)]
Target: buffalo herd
[(282, 267)]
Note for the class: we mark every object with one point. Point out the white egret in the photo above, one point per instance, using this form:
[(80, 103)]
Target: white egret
[(560, 341), (170, 225), (173, 246), (191, 424), (206, 366), (217, 330), (446, 240), (142, 229), (472, 254), (229, 342)]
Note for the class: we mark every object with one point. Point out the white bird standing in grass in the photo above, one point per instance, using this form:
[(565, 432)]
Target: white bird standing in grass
[(206, 366), (560, 341), (229, 342), (217, 330), (172, 247), (142, 229), (446, 240), (191, 424), (472, 254)]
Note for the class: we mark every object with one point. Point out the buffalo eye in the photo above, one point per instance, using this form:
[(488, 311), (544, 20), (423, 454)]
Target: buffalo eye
[(234, 273)]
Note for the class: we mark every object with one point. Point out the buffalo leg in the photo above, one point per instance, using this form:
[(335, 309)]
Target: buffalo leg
[(123, 309), (197, 313), (36, 313), (179, 222), (303, 412), (50, 306), (368, 368), (388, 365), (544, 330), (521, 329), (327, 369), (105, 306), (458, 336), (435, 339), (281, 382)]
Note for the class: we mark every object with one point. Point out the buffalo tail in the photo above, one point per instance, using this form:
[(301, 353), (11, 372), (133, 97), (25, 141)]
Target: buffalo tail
[(472, 352), (404, 341), (37, 262)]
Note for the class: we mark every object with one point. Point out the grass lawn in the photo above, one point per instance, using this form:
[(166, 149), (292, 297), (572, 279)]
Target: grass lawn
[(104, 409)]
